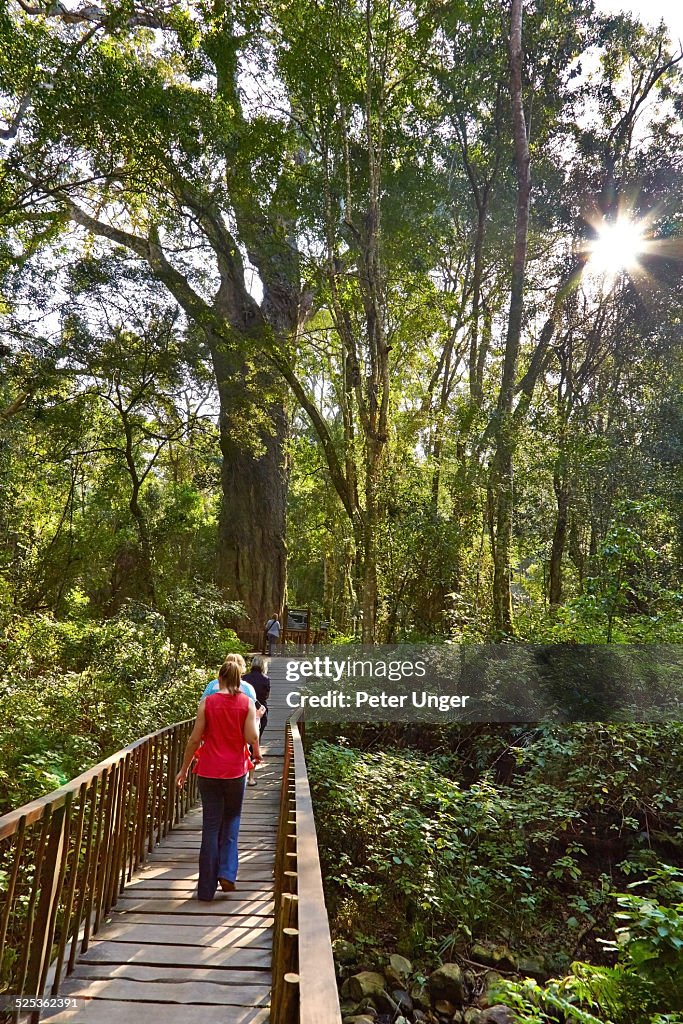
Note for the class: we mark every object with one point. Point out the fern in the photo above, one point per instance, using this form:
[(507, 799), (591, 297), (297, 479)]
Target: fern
[(559, 1002), (646, 985)]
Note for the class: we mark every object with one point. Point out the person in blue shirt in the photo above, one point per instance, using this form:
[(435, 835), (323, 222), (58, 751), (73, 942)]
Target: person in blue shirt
[(245, 686)]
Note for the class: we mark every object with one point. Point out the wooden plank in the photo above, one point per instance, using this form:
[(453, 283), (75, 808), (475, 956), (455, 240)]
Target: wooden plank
[(105, 1011), (166, 870), (156, 869), (254, 823), (106, 952), (248, 869), (260, 883), (264, 810), (194, 821), (158, 932), (182, 921), (143, 993), (177, 856), (183, 837), (261, 805), (245, 892), (263, 828), (191, 842), (170, 871), (181, 973), (256, 842), (224, 904)]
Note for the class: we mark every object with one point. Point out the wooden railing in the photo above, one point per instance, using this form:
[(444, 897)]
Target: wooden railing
[(67, 857), (304, 982)]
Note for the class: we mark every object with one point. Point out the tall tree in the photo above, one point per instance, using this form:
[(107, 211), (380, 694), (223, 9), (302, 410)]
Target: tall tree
[(160, 152), (503, 472)]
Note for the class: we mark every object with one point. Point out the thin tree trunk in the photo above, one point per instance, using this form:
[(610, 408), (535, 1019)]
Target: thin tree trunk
[(146, 572), (503, 469), (370, 521), (475, 383), (561, 486), (576, 552), (146, 559)]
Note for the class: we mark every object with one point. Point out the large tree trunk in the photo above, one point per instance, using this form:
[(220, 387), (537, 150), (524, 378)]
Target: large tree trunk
[(252, 552)]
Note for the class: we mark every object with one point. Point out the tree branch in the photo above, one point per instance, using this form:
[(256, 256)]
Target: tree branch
[(334, 465)]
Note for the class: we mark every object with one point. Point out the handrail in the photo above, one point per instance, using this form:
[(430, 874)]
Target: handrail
[(32, 811), (304, 981), (69, 855)]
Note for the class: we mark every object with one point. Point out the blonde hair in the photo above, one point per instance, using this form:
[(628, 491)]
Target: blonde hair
[(236, 659), (229, 677)]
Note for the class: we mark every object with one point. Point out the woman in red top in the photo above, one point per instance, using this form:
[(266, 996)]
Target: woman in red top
[(226, 722)]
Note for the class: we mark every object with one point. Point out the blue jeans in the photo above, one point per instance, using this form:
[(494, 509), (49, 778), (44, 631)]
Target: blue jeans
[(230, 866), (221, 810)]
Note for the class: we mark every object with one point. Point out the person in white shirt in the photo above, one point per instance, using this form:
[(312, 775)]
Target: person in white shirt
[(272, 632)]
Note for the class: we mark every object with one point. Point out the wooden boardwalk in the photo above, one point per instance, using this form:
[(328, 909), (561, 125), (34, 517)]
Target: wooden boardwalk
[(164, 958)]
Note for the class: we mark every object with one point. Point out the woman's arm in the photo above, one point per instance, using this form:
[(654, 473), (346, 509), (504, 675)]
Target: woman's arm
[(251, 732), (194, 739)]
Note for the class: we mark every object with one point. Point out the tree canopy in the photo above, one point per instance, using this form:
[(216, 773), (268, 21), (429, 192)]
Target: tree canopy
[(359, 237)]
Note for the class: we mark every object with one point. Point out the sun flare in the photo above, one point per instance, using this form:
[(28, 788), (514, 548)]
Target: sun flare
[(617, 247)]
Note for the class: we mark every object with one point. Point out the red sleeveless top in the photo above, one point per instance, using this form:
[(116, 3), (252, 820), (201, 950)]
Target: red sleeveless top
[(224, 754)]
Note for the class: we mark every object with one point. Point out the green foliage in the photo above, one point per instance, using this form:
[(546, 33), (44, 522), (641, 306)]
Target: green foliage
[(450, 849), (71, 693), (645, 986), (197, 616), (178, 151)]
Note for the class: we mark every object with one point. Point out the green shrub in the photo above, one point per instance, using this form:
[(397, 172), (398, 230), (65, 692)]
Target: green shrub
[(520, 837), (71, 693), (199, 617), (644, 987)]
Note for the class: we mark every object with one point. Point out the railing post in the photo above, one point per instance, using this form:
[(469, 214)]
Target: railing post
[(9, 896), (142, 796), (68, 908), (31, 910), (50, 881), (289, 1007), (103, 847), (83, 895)]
